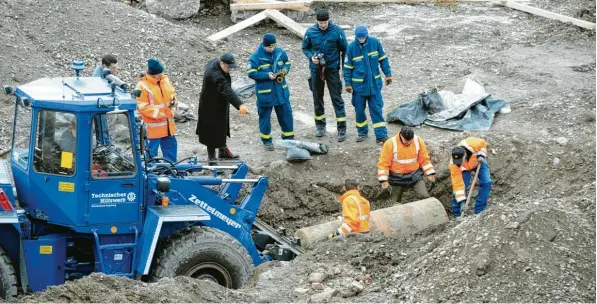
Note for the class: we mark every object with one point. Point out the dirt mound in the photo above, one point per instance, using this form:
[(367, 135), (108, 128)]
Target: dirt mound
[(528, 250), (99, 288)]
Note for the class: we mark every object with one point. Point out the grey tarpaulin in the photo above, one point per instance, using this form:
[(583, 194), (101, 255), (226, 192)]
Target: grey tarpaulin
[(472, 110), (244, 87), (297, 155), (299, 151), (309, 146)]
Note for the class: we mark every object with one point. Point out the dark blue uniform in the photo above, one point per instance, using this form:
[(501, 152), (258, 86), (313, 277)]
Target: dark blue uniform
[(329, 42), (270, 93), (362, 73)]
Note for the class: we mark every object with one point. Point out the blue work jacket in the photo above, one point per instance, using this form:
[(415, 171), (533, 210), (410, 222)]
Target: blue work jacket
[(269, 92), (330, 42), (361, 66)]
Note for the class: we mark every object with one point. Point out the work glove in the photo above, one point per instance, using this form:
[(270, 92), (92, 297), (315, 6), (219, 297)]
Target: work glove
[(332, 235), (431, 178), (388, 80), (385, 187), (243, 110), (481, 159), (348, 89)]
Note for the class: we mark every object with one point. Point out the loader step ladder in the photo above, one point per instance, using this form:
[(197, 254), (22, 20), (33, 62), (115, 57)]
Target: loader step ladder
[(133, 246), (284, 241)]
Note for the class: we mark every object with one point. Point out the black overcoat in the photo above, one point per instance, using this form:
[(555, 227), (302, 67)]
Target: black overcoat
[(215, 99)]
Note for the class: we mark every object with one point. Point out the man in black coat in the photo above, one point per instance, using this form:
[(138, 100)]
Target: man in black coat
[(216, 96)]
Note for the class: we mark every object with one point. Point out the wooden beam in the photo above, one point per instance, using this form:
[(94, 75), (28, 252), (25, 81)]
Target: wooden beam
[(286, 22), (546, 14), (278, 5), (237, 27)]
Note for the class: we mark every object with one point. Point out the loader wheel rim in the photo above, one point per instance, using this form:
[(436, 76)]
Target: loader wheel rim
[(211, 272)]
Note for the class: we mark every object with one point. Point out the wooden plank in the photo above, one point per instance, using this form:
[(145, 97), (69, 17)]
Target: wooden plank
[(278, 5), (546, 14), (237, 27), (286, 22)]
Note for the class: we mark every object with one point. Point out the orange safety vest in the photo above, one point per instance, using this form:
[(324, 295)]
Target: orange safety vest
[(153, 102), (401, 159), (476, 146), (355, 211)]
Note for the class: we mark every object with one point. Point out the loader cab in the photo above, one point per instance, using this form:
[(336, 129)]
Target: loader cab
[(75, 153)]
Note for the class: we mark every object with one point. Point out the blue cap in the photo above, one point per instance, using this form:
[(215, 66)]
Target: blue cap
[(229, 60), (154, 67), (269, 39), (361, 31)]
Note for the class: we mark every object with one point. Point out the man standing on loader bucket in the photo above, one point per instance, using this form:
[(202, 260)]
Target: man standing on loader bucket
[(466, 157), (362, 78), (213, 124), (403, 163), (268, 66), (110, 62), (355, 211), (155, 104), (325, 45)]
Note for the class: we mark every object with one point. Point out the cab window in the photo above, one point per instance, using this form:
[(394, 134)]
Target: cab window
[(112, 147), (56, 143), (21, 137)]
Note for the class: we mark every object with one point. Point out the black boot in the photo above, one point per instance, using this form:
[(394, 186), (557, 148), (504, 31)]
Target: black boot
[(211, 154), (225, 153)]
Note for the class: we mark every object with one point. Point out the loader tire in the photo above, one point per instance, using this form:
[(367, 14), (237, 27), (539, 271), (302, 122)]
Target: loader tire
[(8, 278), (206, 254)]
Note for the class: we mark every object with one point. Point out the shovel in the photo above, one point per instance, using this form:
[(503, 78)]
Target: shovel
[(470, 191)]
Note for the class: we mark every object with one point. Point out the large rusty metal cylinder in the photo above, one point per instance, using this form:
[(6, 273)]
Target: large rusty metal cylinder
[(399, 220)]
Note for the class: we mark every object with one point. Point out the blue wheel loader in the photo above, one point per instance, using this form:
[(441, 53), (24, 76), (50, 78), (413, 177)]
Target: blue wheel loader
[(79, 193)]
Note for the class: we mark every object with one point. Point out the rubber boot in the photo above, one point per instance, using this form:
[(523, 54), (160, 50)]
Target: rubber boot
[(225, 153)]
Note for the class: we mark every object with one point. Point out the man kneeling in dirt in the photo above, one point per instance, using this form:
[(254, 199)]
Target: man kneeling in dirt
[(403, 163), (355, 211)]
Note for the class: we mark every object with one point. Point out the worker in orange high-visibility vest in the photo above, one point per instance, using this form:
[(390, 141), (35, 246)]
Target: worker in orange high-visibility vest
[(403, 163), (355, 211), (469, 154), (155, 104)]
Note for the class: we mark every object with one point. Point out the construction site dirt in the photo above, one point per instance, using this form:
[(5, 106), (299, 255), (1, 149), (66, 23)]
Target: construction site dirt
[(534, 243)]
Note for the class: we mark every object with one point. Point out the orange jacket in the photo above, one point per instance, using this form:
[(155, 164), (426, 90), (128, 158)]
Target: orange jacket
[(153, 105), (401, 159), (355, 211), (476, 146)]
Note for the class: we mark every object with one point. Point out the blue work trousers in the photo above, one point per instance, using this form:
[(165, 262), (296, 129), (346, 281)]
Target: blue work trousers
[(318, 80), (168, 144), (284, 114), (375, 109), (484, 189)]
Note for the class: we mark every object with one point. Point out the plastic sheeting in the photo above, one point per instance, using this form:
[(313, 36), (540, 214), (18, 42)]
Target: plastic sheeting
[(472, 110), (244, 87), (297, 155), (300, 151)]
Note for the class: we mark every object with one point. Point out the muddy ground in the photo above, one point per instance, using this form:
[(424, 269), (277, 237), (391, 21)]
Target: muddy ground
[(542, 154)]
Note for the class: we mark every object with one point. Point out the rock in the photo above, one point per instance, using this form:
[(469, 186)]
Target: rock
[(301, 291), (556, 161), (513, 225), (562, 141), (317, 286), (176, 9), (482, 263), (316, 277), (346, 293), (323, 296), (356, 287)]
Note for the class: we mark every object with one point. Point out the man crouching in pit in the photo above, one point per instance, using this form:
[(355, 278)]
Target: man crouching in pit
[(355, 211)]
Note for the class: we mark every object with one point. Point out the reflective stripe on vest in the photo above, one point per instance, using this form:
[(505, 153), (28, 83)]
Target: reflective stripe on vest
[(405, 161), (144, 86)]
